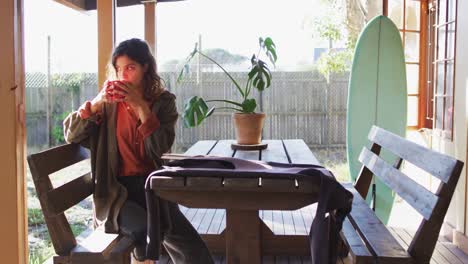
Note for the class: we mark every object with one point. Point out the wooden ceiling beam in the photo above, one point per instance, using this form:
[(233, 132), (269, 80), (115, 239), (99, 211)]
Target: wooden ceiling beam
[(86, 5), (91, 4), (79, 5)]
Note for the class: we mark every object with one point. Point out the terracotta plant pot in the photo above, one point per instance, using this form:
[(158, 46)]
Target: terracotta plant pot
[(249, 128)]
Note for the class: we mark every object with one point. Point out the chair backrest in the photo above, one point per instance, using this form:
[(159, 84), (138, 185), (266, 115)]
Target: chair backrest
[(54, 201), (431, 206)]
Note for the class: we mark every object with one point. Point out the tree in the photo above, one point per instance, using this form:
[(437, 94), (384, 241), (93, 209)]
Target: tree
[(222, 56), (350, 14)]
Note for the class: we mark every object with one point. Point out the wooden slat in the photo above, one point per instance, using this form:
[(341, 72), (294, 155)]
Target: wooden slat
[(289, 228), (378, 239), (250, 184), (437, 164), (274, 152), (55, 159), (215, 224), (97, 242), (299, 152), (222, 148), (190, 214), (206, 221), (308, 214), (183, 209), (203, 183), (267, 217), (198, 218), (283, 185), (268, 260), (68, 195), (247, 155), (281, 260), (278, 223), (299, 224), (249, 200), (295, 260), (436, 257), (202, 147), (218, 259), (417, 196), (222, 225), (166, 182), (358, 249)]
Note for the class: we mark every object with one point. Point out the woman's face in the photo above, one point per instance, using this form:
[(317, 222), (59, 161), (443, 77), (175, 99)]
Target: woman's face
[(130, 70)]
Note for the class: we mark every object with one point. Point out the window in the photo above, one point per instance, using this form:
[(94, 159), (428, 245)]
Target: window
[(441, 28), (406, 14)]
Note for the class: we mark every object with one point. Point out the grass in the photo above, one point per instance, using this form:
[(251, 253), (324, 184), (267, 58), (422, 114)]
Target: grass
[(35, 216), (341, 171), (78, 228), (40, 255)]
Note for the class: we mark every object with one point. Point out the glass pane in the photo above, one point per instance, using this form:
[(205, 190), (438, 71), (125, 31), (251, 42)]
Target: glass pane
[(440, 78), (412, 47), (449, 79), (441, 34), (452, 5), (412, 15), (451, 41), (412, 78), (395, 12), (448, 112), (129, 23), (439, 104), (413, 110), (442, 12)]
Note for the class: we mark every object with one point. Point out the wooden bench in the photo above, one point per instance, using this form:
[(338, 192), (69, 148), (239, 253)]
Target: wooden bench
[(367, 239), (98, 247)]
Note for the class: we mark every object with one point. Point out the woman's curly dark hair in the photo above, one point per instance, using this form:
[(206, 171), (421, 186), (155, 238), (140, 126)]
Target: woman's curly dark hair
[(138, 50)]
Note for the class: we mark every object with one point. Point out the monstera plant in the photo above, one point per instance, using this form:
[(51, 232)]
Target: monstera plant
[(259, 77)]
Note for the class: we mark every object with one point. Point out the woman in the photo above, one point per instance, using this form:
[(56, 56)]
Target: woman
[(128, 126)]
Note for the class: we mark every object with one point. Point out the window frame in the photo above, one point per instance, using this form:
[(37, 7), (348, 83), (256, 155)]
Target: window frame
[(431, 81)]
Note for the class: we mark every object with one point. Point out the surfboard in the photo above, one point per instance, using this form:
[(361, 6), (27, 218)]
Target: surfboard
[(376, 96)]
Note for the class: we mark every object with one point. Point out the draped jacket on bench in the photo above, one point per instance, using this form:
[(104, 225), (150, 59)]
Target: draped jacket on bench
[(98, 133)]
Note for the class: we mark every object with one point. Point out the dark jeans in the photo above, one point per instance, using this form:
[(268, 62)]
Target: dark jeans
[(182, 242)]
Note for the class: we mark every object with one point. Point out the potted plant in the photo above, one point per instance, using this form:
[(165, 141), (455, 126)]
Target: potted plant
[(249, 124)]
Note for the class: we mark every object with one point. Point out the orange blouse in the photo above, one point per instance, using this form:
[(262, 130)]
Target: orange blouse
[(131, 134)]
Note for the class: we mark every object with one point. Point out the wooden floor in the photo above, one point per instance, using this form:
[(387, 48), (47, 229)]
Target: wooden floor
[(212, 221)]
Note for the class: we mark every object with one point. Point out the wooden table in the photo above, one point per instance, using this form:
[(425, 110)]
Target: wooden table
[(246, 236)]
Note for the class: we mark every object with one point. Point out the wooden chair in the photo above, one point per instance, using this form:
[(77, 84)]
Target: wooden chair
[(367, 239), (98, 247)]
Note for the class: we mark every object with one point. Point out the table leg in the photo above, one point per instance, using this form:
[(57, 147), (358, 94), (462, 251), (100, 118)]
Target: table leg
[(243, 237)]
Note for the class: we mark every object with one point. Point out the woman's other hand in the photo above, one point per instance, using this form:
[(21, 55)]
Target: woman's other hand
[(105, 95), (125, 91)]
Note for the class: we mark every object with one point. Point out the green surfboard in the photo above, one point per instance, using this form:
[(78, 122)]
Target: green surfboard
[(376, 96)]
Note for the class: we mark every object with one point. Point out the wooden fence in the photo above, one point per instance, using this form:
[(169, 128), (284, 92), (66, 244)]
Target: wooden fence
[(298, 105)]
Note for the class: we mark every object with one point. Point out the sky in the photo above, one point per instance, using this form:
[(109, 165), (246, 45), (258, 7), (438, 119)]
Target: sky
[(232, 25)]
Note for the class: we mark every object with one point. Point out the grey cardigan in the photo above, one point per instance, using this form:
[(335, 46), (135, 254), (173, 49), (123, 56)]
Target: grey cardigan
[(109, 195)]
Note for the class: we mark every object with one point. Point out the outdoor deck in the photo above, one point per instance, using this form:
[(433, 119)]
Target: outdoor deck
[(212, 221)]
